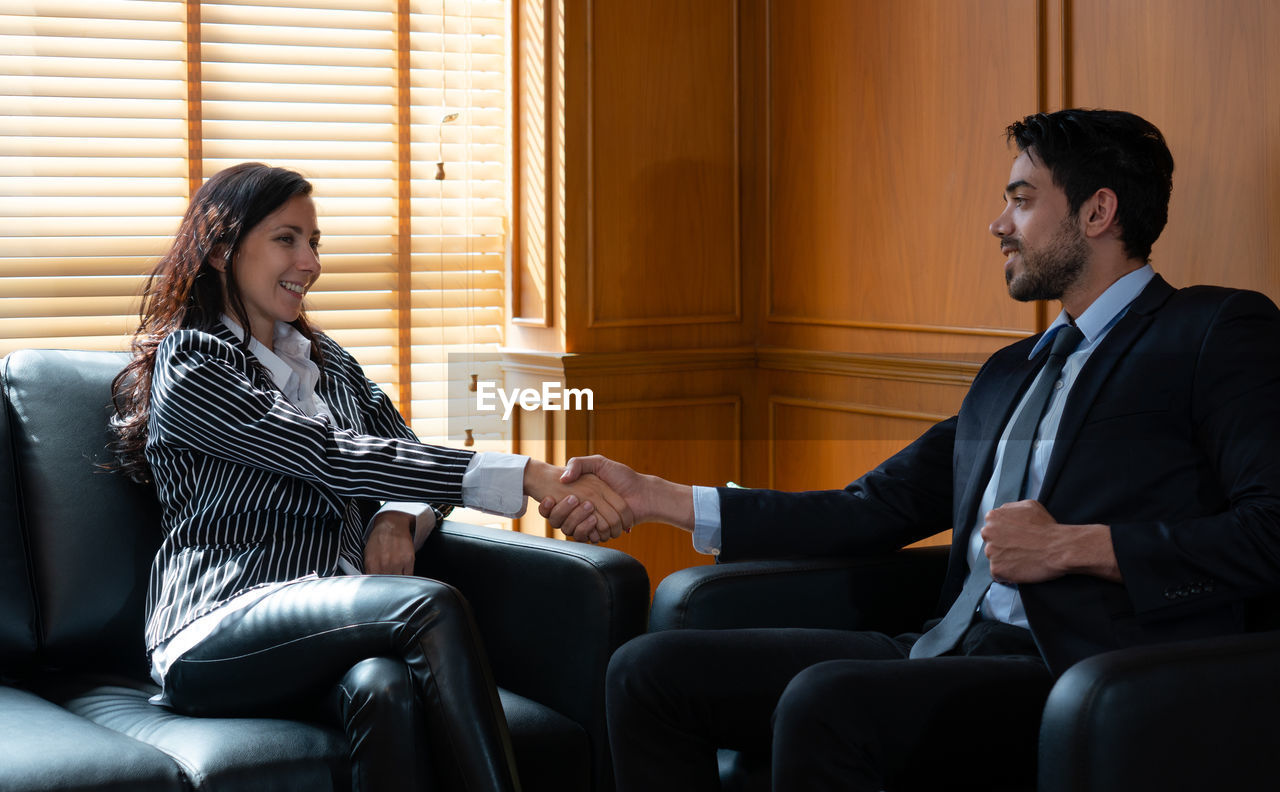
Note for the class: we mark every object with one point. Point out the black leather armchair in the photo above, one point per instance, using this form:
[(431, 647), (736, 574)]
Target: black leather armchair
[(76, 545), (1188, 716)]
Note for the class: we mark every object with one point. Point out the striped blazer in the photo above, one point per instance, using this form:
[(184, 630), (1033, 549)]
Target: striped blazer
[(252, 490)]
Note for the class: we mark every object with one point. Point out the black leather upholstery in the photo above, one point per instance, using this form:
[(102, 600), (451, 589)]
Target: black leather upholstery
[(18, 627), (44, 747), (214, 753), (549, 747), (76, 545), (843, 594), (1187, 716), (1195, 715), (92, 533)]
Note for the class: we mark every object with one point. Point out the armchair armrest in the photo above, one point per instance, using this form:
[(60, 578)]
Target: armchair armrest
[(1189, 715), (893, 593), (550, 612)]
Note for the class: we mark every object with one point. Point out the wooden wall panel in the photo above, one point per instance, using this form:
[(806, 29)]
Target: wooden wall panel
[(663, 204), (886, 161), (826, 445), (691, 440), (1206, 73), (804, 187)]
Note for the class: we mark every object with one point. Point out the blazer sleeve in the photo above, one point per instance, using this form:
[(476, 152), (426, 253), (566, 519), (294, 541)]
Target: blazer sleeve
[(907, 498), (380, 414), (204, 399), (1235, 416)]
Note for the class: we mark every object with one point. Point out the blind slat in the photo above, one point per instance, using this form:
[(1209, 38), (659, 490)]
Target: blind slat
[(100, 27), (19, 65), (125, 10)]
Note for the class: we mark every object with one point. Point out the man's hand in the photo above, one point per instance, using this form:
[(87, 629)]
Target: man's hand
[(389, 548), (1026, 545), (647, 497), (573, 517), (606, 512)]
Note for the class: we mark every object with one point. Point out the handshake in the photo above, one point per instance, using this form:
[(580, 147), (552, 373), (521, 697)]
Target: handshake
[(595, 499)]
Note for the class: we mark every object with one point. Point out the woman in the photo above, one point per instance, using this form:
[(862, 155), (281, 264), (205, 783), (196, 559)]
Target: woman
[(270, 451)]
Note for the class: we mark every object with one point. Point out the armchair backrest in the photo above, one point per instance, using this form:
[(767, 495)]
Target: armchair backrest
[(90, 534), (17, 611)]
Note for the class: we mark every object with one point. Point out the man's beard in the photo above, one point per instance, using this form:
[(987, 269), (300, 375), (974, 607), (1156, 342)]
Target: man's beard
[(1047, 273)]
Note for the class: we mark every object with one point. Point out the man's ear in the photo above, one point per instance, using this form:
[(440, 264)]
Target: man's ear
[(1099, 213)]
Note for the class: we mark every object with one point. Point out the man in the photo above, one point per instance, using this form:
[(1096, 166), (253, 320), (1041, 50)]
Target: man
[(1112, 482)]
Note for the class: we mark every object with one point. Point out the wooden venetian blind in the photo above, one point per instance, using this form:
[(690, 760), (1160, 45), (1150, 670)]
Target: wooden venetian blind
[(115, 110), (93, 174)]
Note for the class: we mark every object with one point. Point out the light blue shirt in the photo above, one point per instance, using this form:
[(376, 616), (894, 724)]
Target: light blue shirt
[(1002, 601)]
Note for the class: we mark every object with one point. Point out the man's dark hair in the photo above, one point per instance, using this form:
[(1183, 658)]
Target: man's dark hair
[(1087, 150)]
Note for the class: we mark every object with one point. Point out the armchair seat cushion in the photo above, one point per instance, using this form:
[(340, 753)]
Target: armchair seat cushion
[(231, 754), (46, 747), (215, 754)]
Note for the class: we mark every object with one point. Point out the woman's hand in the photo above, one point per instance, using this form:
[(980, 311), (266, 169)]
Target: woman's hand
[(389, 548)]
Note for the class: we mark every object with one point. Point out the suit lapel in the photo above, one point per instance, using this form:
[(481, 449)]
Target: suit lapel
[(1098, 370), (257, 372), (224, 333)]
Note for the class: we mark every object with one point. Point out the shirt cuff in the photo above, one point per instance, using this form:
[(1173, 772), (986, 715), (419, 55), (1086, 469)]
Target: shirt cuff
[(424, 519), (494, 483), (706, 520)]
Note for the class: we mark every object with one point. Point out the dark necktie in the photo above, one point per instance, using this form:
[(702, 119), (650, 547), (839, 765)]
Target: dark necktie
[(1013, 476)]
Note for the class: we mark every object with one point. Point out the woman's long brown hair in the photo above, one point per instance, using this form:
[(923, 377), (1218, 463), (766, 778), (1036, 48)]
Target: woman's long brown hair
[(185, 291)]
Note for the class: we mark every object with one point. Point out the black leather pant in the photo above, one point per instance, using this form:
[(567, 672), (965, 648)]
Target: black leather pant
[(399, 660)]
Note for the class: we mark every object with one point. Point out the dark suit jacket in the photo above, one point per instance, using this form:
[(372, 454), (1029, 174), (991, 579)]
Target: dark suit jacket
[(1170, 435)]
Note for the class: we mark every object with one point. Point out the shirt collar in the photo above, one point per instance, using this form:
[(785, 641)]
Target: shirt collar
[(1105, 311), (286, 340), (289, 343)]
